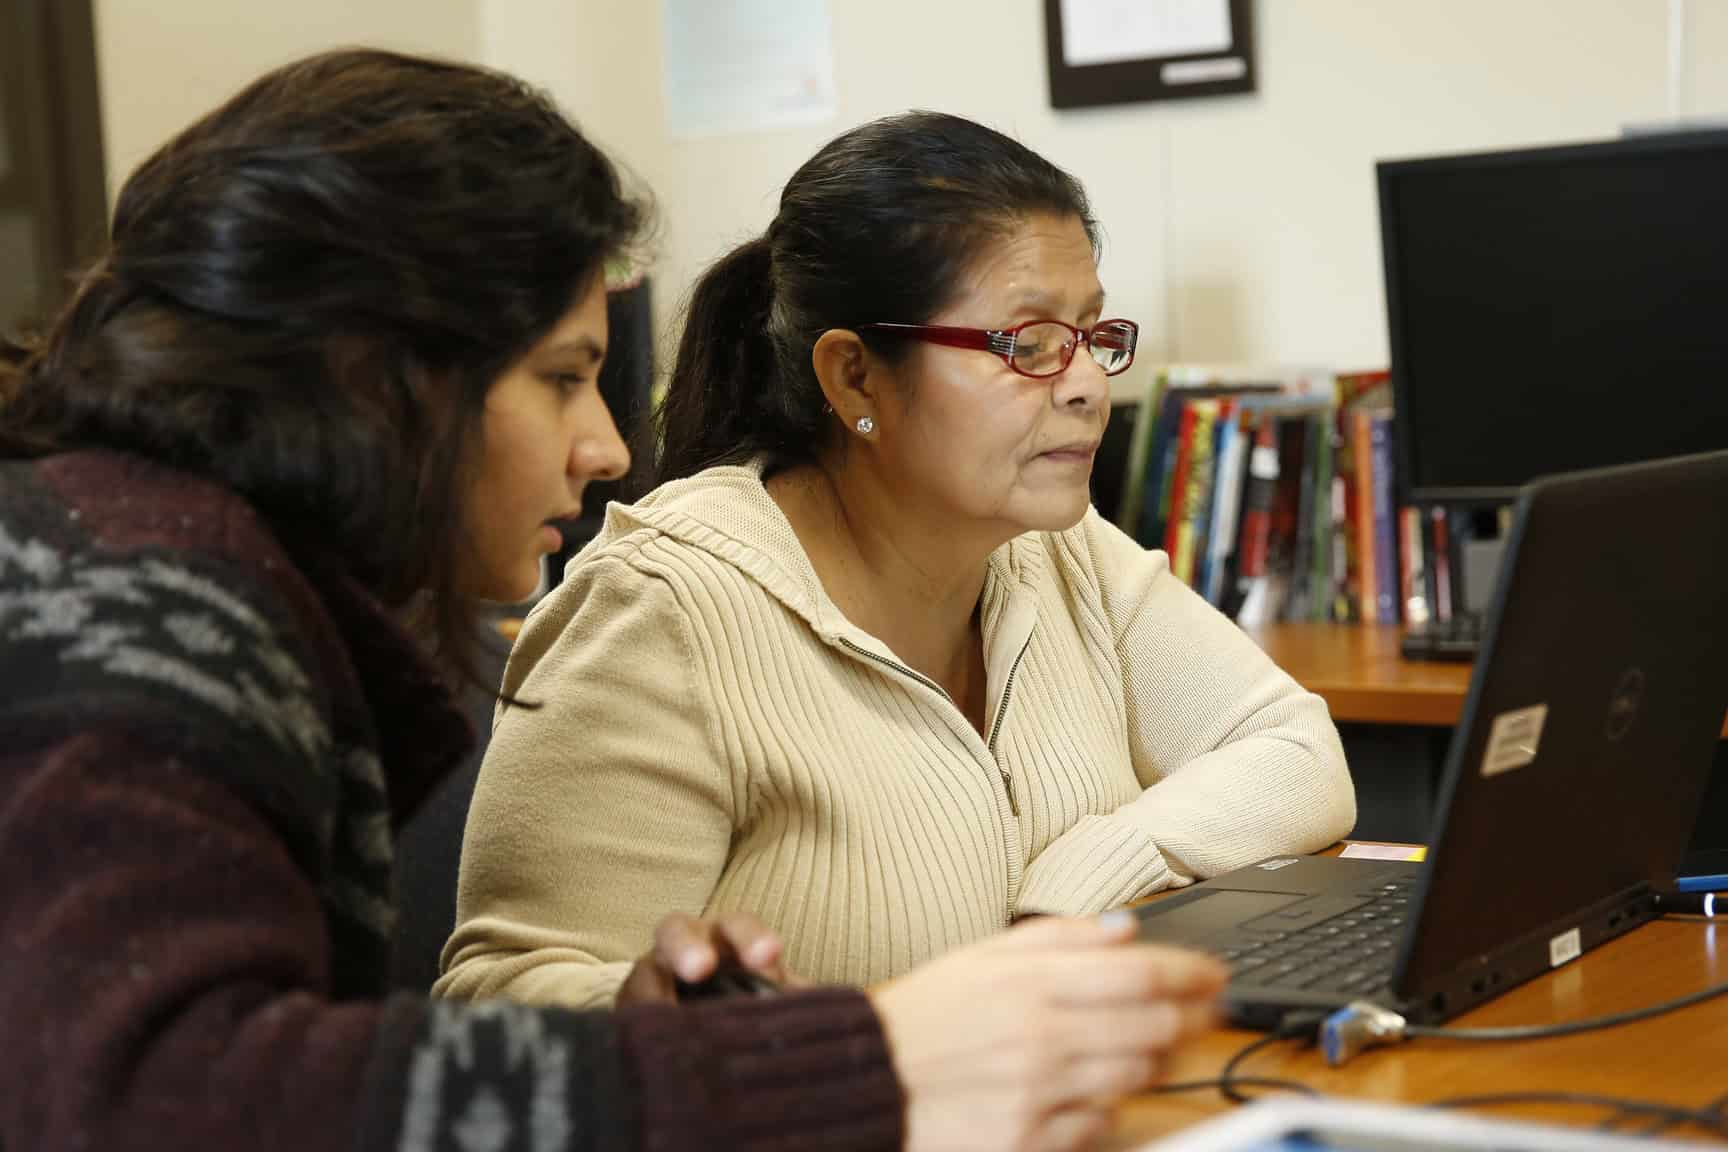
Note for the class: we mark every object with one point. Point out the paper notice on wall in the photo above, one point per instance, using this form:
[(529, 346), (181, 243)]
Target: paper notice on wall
[(1109, 31), (734, 66)]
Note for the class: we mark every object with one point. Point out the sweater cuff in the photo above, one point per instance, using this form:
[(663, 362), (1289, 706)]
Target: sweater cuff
[(497, 1075), (806, 1070), (1096, 865)]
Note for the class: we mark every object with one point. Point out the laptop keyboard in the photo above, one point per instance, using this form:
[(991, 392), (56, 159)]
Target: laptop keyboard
[(1350, 953)]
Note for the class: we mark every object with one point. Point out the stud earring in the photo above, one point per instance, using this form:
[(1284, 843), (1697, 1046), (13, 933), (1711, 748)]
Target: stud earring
[(865, 425)]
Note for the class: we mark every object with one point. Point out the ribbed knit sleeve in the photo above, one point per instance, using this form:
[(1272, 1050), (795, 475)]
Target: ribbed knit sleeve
[(803, 1071), (597, 812), (163, 988), (1237, 761), (807, 1070)]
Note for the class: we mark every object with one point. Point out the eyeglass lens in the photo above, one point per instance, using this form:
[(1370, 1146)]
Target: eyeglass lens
[(1046, 349)]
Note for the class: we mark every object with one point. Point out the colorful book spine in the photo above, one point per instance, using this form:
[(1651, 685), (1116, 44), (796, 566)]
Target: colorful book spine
[(1299, 603), (1442, 565), (1363, 461), (1226, 502), (1320, 553), (1182, 452), (1160, 464), (1263, 470), (1414, 566), (1196, 492), (1385, 542), (1140, 455)]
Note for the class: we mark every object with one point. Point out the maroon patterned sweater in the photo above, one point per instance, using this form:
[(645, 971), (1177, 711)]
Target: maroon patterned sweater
[(205, 749)]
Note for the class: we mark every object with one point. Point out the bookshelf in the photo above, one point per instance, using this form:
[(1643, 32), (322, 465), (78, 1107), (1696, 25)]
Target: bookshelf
[(1271, 490)]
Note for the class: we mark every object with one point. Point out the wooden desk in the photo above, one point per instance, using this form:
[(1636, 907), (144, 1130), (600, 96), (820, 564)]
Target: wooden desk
[(1356, 668), (1679, 1058)]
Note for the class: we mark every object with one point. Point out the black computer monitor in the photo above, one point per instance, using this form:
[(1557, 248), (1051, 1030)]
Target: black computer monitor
[(1555, 309)]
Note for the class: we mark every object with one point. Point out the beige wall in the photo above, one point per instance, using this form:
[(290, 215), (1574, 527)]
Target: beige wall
[(1238, 229), (164, 63), (1707, 59)]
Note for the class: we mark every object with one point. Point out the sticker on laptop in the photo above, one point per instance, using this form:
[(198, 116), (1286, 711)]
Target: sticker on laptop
[(1569, 945), (1356, 851), (1514, 739), (1274, 865)]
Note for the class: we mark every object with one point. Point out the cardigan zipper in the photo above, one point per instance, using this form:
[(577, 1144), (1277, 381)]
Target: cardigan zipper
[(996, 725), (898, 667), (990, 744)]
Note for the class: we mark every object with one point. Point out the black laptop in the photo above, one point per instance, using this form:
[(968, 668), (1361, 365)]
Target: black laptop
[(1572, 782)]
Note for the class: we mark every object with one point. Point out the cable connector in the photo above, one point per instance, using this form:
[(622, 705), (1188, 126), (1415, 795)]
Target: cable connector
[(1357, 1027), (1709, 905)]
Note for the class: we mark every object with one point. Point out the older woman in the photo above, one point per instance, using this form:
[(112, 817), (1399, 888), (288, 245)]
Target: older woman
[(867, 665)]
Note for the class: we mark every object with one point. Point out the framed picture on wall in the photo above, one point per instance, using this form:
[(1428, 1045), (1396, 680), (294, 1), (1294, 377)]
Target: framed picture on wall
[(1123, 51)]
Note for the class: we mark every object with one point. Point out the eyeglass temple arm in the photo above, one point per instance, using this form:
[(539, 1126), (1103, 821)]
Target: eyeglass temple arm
[(952, 337)]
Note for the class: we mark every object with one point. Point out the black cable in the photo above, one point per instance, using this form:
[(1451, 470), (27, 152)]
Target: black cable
[(1661, 1116), (1216, 1084), (1295, 1025), (1658, 1115), (1227, 1075), (1717, 1108), (1549, 1031), (1709, 1117)]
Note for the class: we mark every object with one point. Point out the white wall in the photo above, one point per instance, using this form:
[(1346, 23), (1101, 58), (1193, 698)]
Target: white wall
[(1276, 250), (1707, 58), (164, 63), (1237, 229)]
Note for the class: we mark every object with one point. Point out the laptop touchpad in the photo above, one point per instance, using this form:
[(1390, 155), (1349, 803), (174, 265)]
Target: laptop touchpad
[(1207, 914)]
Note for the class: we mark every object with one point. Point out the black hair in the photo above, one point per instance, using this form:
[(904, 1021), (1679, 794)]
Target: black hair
[(308, 293), (877, 226)]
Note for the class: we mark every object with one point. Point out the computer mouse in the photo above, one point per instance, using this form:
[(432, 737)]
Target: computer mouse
[(729, 981)]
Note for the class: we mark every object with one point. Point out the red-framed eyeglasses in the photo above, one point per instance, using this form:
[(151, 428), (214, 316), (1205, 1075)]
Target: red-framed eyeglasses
[(1037, 348)]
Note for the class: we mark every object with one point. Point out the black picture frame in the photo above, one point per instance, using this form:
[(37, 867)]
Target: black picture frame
[(1223, 73)]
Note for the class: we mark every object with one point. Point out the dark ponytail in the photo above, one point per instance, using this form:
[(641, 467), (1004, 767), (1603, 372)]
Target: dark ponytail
[(879, 225), (726, 345)]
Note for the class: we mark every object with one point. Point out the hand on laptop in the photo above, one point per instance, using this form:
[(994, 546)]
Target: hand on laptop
[(1029, 1039)]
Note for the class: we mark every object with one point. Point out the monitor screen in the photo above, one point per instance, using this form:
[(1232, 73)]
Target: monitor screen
[(1555, 309)]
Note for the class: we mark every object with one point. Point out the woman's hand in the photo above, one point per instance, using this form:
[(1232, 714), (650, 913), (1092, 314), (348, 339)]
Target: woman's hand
[(692, 950), (1026, 1041)]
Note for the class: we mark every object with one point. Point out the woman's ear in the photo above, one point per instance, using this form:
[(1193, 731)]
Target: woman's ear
[(842, 365)]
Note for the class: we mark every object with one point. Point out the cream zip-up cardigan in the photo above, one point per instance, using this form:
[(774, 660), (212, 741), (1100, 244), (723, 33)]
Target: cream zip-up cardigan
[(714, 735)]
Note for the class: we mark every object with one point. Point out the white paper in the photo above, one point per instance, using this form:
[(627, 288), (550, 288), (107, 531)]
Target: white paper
[(1109, 31), (732, 66)]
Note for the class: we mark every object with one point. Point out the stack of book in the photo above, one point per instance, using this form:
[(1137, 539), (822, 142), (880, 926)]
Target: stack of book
[(1275, 499)]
